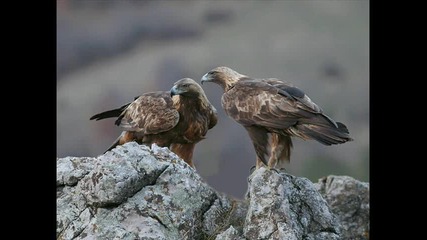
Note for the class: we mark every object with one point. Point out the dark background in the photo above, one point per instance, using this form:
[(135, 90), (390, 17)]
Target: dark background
[(110, 51)]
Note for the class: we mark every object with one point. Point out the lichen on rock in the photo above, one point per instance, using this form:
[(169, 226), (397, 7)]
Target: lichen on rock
[(134, 192)]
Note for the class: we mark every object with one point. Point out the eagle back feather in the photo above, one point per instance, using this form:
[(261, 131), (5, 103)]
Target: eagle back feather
[(150, 113), (270, 103)]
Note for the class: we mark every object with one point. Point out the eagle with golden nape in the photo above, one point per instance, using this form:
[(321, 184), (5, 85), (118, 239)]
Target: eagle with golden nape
[(177, 119), (272, 111)]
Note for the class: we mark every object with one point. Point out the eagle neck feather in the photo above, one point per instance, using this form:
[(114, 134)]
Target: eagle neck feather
[(230, 82), (183, 103)]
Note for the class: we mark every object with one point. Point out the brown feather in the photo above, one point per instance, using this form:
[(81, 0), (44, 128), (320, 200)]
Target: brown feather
[(274, 106), (184, 151), (178, 122)]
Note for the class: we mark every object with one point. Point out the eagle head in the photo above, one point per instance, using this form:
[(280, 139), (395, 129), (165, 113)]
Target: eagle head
[(186, 87), (223, 76)]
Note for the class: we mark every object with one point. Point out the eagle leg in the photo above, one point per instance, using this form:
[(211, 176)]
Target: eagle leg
[(280, 150), (259, 137), (184, 151)]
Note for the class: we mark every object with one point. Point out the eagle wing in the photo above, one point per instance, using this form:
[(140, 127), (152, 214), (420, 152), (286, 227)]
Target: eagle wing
[(270, 103), (291, 92), (150, 113)]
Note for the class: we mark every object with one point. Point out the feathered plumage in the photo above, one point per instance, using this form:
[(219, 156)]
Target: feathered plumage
[(177, 119), (272, 106)]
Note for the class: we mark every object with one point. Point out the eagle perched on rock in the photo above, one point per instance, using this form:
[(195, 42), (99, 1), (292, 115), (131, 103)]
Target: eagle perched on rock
[(177, 119), (273, 107)]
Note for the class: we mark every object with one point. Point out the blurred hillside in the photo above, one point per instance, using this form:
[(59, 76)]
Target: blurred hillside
[(111, 51)]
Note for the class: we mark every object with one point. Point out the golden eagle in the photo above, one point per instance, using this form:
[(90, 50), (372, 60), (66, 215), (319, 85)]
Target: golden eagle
[(177, 119), (272, 106)]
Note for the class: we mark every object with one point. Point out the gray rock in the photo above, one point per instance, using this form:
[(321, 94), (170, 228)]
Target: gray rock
[(70, 170), (223, 213), (72, 213), (282, 206), (349, 201), (119, 174), (230, 234), (137, 192)]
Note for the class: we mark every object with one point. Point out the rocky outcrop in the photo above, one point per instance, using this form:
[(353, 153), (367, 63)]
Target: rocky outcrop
[(134, 192), (282, 206), (348, 199)]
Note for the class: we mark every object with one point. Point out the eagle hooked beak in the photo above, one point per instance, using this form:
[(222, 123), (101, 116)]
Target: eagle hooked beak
[(175, 91), (205, 78)]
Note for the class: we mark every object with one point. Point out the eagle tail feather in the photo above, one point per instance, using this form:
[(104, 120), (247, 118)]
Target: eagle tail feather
[(106, 114), (343, 127), (327, 135), (110, 113)]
